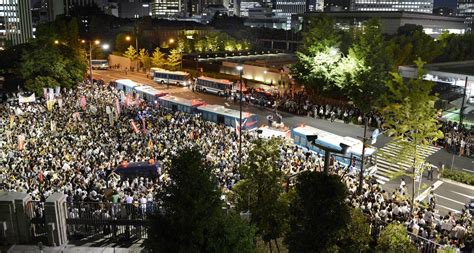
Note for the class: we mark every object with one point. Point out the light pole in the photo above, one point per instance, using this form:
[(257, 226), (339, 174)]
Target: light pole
[(96, 42), (240, 68), (128, 38)]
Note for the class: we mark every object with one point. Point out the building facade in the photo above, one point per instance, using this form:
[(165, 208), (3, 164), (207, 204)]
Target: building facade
[(166, 8), (423, 6), (433, 25), (466, 9), (15, 22)]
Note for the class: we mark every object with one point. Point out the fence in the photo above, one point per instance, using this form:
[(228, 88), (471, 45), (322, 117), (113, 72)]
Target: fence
[(95, 220), (35, 213)]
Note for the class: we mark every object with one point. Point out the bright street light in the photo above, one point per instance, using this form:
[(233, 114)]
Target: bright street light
[(128, 38), (239, 67), (105, 46), (56, 42), (97, 42), (171, 41)]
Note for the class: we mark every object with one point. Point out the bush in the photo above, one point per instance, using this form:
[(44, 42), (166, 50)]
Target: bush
[(459, 176)]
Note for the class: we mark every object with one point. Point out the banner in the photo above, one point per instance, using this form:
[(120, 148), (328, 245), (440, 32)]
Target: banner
[(107, 110), (53, 126), (45, 93), (111, 119), (58, 91), (21, 142), (50, 93), (24, 99), (134, 126), (50, 104), (144, 125), (60, 103), (83, 102)]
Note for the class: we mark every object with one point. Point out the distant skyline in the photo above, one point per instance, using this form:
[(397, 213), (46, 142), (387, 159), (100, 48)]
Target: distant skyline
[(437, 3)]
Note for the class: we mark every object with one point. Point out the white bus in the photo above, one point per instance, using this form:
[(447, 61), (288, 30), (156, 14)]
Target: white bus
[(100, 64), (171, 77), (220, 87)]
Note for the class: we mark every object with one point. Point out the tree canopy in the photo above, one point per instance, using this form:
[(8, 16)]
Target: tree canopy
[(318, 213), (192, 219), (261, 191), (394, 239)]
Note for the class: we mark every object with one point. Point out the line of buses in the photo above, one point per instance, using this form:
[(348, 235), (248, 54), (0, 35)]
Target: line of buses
[(220, 87), (299, 136)]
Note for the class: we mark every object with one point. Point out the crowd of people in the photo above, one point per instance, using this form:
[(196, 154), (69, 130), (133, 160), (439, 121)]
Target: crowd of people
[(73, 145), (457, 139)]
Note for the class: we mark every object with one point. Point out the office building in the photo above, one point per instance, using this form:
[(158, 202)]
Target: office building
[(433, 25), (133, 8), (466, 9), (166, 8), (283, 9), (334, 5), (423, 6), (15, 22)]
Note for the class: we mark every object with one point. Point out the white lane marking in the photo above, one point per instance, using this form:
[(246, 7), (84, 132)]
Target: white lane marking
[(465, 195), (425, 193), (447, 208), (452, 200), (470, 171)]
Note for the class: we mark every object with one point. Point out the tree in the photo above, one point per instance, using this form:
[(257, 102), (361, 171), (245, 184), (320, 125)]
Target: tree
[(121, 42), (261, 191), (410, 116), (158, 59), (394, 239), (318, 213), (174, 60), (318, 56), (368, 84), (50, 66), (131, 53), (356, 236), (144, 58), (192, 219)]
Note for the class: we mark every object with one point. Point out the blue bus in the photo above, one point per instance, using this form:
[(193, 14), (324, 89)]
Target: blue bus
[(228, 117), (163, 76), (351, 147), (149, 93), (126, 85), (179, 104)]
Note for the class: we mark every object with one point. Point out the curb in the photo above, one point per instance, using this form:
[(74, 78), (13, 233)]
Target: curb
[(457, 183)]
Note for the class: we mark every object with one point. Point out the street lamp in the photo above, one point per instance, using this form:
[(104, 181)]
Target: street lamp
[(97, 43), (56, 42), (171, 41), (129, 38), (240, 68)]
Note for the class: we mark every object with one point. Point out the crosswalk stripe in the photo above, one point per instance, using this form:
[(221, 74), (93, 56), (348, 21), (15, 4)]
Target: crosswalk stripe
[(389, 162), (462, 194)]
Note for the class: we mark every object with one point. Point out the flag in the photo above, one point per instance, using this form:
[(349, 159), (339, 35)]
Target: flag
[(21, 142), (53, 126), (50, 93), (237, 126), (117, 106), (144, 125), (134, 126), (12, 120), (40, 176), (45, 93), (150, 144), (60, 103), (50, 104), (83, 102)]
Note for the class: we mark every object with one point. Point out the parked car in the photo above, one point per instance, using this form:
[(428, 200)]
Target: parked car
[(470, 206)]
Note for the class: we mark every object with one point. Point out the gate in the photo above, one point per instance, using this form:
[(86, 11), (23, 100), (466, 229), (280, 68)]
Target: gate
[(116, 222), (38, 227)]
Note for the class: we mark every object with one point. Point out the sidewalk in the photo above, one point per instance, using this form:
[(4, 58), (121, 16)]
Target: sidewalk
[(72, 249)]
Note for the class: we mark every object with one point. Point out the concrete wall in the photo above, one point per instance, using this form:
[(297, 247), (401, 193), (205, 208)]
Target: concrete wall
[(123, 62), (255, 73), (14, 220)]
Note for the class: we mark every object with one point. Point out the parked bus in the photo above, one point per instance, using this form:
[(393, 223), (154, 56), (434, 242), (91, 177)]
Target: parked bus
[(149, 93), (221, 87), (350, 147), (180, 104), (227, 116), (163, 76), (100, 64), (126, 85)]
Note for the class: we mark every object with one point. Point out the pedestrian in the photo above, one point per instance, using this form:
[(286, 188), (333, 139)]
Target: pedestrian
[(430, 172)]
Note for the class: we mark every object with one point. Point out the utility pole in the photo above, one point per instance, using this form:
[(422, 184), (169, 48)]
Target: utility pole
[(461, 113), (240, 68), (362, 159)]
